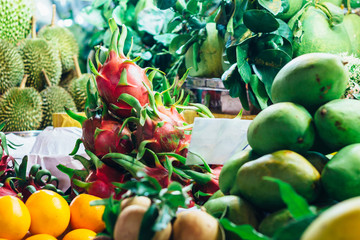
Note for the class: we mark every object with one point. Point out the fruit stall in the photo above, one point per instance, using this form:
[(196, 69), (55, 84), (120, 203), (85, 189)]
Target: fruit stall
[(179, 119)]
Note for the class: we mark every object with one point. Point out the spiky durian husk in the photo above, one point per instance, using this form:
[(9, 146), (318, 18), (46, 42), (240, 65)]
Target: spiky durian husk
[(64, 41), (54, 99), (77, 89), (15, 19), (37, 55), (22, 109), (11, 66)]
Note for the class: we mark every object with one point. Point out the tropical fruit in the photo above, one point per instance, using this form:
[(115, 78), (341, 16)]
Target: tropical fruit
[(230, 168), (15, 19), (80, 234), (317, 159), (63, 40), (281, 126), (339, 222), (11, 66), (209, 55), (294, 7), (54, 99), (274, 221), (319, 31), (42, 236), (14, 218), (310, 80), (285, 165), (337, 123), (21, 107), (340, 177), (352, 24), (195, 225)]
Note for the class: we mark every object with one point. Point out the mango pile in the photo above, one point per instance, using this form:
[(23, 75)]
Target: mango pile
[(309, 138)]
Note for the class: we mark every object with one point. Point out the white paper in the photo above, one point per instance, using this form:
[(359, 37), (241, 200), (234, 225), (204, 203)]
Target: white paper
[(217, 139)]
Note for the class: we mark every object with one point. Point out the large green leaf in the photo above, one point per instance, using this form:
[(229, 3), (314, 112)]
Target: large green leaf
[(178, 41), (272, 41), (237, 16), (192, 6), (258, 88), (243, 231), (164, 4), (242, 63), (208, 7), (146, 228), (165, 39), (152, 21), (284, 30), (260, 21), (273, 6)]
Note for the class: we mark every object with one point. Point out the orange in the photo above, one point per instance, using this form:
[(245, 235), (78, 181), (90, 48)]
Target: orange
[(14, 218), (80, 234), (85, 216), (41, 237), (49, 212)]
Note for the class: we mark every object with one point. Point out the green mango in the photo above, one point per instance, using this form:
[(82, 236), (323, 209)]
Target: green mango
[(294, 7), (334, 2), (281, 126), (318, 160), (285, 165), (340, 177), (237, 210), (217, 194), (209, 63), (316, 32), (352, 25), (230, 168), (338, 123), (274, 221), (310, 80)]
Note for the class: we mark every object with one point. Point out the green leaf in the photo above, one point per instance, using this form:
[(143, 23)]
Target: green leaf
[(284, 30), (294, 230), (297, 205), (152, 21), (178, 41), (273, 6), (165, 39), (243, 231), (192, 6), (242, 63), (260, 21), (164, 4), (175, 196), (116, 14), (259, 91), (209, 7), (146, 228)]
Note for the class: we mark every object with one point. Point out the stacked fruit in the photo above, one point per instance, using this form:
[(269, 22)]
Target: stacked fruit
[(292, 141), (40, 62)]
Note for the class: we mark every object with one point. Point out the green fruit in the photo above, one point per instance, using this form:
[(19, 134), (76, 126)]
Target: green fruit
[(64, 42), (294, 7), (353, 3), (22, 109), (55, 98), (281, 126), (285, 165), (275, 221), (352, 25), (334, 2), (310, 80), (11, 66), (210, 53), (15, 19), (315, 32), (340, 177), (217, 194), (77, 89), (236, 210), (230, 168), (338, 123), (340, 222), (40, 57)]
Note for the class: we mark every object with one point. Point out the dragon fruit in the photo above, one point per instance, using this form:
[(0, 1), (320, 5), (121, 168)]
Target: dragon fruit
[(119, 75)]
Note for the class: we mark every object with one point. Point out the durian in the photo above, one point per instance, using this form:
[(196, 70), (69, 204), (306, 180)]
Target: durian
[(39, 56), (77, 87), (11, 66), (63, 40), (21, 108), (15, 19), (54, 99)]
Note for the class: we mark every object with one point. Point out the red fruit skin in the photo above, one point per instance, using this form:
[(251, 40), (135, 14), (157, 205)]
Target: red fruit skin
[(5, 191), (110, 90), (160, 173), (212, 186), (100, 189), (4, 166), (106, 139)]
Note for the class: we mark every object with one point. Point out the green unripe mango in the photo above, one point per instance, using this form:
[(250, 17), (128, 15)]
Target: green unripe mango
[(341, 176), (338, 123), (281, 126), (285, 165), (230, 168), (310, 80), (352, 25), (274, 221), (217, 194), (319, 33)]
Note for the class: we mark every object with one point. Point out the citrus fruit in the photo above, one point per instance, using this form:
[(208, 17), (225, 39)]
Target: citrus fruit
[(49, 212), (80, 234), (14, 218), (85, 216), (41, 237)]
